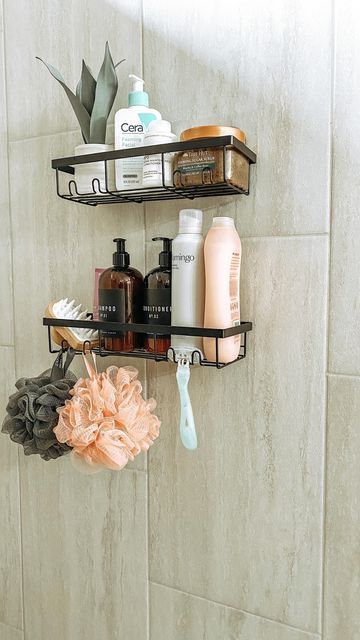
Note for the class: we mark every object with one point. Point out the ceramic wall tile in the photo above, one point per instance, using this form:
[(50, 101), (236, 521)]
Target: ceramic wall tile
[(62, 34), (57, 245), (178, 615), (252, 65), (345, 266), (9, 633), (6, 303), (239, 521), (10, 540), (342, 575), (85, 568)]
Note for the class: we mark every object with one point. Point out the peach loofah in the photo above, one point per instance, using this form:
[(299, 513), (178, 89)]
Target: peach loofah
[(107, 422)]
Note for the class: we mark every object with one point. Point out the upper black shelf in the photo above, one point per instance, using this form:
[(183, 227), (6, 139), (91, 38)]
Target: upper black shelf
[(66, 164), (100, 195)]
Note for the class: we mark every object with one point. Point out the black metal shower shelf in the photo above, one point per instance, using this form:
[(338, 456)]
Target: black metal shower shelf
[(155, 332), (68, 190)]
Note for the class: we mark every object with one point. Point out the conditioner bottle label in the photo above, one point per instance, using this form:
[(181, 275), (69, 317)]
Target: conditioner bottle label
[(157, 306)]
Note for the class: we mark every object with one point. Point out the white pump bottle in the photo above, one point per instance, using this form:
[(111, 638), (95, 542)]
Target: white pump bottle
[(131, 124)]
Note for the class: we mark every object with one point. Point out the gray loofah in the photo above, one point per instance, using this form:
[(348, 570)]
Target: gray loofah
[(32, 413)]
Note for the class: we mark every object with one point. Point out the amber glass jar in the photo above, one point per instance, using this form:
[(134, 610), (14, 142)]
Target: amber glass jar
[(206, 166), (120, 299), (157, 299)]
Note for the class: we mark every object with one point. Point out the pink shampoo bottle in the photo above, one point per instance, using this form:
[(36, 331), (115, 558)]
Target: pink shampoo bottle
[(222, 252)]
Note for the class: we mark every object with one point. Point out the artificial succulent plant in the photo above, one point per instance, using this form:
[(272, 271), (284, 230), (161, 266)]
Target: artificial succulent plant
[(93, 99)]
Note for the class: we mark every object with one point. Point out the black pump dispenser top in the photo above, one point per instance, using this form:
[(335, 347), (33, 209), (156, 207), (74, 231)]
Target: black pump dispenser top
[(120, 258), (165, 254)]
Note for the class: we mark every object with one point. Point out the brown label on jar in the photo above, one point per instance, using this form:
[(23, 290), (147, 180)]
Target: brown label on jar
[(199, 166), (196, 161)]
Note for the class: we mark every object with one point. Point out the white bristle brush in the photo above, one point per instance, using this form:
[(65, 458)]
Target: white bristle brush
[(74, 336)]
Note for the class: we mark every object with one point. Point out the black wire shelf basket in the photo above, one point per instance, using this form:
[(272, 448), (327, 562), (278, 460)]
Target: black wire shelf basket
[(103, 191), (157, 333)]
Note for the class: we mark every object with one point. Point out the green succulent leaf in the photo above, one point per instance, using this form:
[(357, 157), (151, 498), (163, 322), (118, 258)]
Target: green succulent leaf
[(79, 109), (86, 88), (106, 88)]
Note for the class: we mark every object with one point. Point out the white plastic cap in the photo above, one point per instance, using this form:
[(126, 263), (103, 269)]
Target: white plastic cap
[(159, 126), (190, 221), (223, 222), (136, 83)]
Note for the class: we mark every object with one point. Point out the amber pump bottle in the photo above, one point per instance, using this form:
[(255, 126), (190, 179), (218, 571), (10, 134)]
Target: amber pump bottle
[(120, 300), (157, 298)]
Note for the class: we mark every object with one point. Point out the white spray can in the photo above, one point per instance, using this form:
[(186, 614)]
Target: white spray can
[(188, 281)]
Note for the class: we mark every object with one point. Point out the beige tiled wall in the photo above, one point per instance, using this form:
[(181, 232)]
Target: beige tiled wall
[(11, 604), (255, 535), (342, 576), (83, 563), (187, 616), (10, 633), (345, 264), (255, 482), (342, 527)]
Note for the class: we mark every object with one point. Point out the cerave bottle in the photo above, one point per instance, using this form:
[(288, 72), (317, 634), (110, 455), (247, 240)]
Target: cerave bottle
[(188, 281), (222, 253), (131, 125), (120, 299), (157, 298)]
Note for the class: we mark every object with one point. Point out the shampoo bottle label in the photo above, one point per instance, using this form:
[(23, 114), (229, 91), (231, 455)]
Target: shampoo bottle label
[(112, 308)]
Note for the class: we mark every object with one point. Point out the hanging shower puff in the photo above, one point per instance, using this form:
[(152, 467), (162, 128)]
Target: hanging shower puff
[(107, 423), (32, 409)]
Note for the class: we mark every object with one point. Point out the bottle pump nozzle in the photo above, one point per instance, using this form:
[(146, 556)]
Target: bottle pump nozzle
[(137, 95), (120, 258), (137, 83), (165, 254)]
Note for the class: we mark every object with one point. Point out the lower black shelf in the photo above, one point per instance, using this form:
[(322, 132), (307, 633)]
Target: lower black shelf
[(155, 332), (150, 194)]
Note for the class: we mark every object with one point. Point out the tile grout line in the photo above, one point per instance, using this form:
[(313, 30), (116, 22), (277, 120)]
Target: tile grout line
[(13, 308), (147, 480), (147, 554), (305, 236), (11, 626), (42, 135), (335, 374), (249, 613), (295, 236), (133, 470), (147, 524), (330, 211)]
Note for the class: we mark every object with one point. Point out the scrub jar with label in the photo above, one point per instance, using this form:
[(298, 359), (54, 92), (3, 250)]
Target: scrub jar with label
[(211, 165)]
